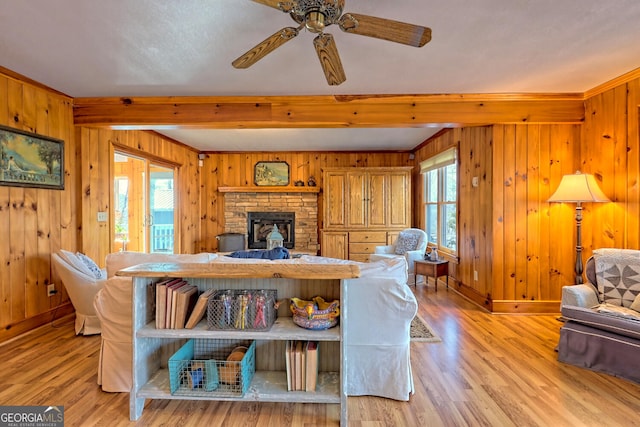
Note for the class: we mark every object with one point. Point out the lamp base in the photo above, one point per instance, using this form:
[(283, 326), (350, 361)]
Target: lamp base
[(579, 280)]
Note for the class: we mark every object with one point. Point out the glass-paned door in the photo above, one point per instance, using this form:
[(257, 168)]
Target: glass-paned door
[(144, 205)]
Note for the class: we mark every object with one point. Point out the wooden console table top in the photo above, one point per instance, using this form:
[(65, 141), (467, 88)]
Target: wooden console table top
[(285, 269)]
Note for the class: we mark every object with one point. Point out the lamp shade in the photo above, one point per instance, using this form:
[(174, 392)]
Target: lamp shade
[(578, 188)]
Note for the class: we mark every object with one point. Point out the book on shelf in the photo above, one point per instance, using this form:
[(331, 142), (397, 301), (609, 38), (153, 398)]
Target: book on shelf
[(288, 364), (199, 309), (292, 358), (161, 301), (185, 301), (299, 371), (303, 365), (301, 360), (171, 288), (311, 368)]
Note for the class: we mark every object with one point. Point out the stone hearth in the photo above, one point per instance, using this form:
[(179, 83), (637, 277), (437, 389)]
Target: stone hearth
[(305, 206)]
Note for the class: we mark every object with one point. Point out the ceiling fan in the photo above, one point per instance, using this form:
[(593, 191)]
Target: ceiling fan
[(316, 15)]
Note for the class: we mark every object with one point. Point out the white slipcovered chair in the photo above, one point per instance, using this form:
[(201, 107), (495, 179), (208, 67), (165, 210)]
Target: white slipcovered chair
[(82, 279), (410, 244)]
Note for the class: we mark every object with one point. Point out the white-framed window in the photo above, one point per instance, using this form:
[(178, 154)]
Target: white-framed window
[(440, 198)]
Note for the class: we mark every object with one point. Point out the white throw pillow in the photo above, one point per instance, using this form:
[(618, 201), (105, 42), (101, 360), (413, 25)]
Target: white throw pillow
[(75, 261), (91, 265)]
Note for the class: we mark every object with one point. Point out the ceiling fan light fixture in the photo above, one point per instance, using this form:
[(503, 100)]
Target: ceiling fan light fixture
[(315, 21)]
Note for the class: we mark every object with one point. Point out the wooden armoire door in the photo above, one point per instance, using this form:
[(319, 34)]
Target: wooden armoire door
[(335, 193), (399, 199), (377, 199), (357, 199)]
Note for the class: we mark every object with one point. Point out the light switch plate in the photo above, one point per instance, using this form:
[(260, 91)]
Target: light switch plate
[(102, 217)]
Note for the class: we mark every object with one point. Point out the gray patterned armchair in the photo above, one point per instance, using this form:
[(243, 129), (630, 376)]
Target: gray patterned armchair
[(602, 328)]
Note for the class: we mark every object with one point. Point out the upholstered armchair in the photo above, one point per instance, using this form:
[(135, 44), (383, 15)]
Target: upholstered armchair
[(410, 244), (82, 279), (602, 317)]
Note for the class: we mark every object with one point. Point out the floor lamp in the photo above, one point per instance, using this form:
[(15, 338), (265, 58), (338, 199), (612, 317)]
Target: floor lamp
[(578, 188)]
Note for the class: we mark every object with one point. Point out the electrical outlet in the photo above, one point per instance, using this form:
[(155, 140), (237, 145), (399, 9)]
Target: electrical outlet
[(51, 290), (475, 275)]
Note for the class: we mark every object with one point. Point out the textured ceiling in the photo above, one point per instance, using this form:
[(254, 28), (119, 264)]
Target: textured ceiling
[(185, 48)]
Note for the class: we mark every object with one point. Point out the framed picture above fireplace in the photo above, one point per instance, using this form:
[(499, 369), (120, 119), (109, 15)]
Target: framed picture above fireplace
[(271, 173)]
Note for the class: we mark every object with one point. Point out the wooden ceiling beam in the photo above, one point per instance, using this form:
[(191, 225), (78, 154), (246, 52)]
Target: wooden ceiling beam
[(338, 111)]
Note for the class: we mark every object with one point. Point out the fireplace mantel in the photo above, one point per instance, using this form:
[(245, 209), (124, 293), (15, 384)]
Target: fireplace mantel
[(256, 189)]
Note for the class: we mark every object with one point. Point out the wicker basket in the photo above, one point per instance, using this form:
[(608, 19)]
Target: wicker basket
[(209, 367), (316, 314), (242, 309)]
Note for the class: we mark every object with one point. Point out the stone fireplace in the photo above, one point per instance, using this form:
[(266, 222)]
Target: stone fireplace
[(239, 206)]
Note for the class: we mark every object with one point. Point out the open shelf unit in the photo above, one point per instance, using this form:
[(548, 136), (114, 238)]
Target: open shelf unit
[(151, 345)]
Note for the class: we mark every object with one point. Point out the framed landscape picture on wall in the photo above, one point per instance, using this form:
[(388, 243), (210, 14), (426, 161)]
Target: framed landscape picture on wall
[(30, 160), (271, 173)]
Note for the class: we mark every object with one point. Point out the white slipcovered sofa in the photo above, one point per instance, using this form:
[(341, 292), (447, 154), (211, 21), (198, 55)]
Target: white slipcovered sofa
[(380, 308), (113, 307)]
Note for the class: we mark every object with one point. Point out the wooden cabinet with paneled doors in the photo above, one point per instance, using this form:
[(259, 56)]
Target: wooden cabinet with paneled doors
[(335, 244), (371, 204)]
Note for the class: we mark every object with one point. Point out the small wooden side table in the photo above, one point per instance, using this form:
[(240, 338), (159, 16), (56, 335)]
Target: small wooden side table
[(428, 268)]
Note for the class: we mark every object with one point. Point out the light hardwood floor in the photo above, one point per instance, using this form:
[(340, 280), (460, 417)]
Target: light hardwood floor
[(491, 370)]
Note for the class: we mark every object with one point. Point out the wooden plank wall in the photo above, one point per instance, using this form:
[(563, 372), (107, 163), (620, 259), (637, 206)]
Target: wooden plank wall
[(38, 222), (521, 247), (35, 222), (96, 151), (236, 170), (611, 151), (533, 240), (531, 252), (474, 219)]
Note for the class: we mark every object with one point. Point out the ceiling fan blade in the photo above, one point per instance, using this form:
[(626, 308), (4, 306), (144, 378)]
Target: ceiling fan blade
[(282, 5), (386, 29), (267, 46), (329, 59)]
